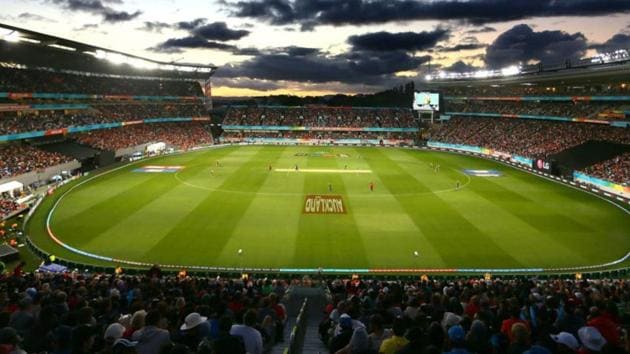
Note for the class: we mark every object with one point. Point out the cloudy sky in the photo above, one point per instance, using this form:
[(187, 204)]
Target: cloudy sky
[(308, 47)]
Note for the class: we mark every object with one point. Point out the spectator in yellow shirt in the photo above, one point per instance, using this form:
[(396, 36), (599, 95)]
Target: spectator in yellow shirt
[(397, 341)]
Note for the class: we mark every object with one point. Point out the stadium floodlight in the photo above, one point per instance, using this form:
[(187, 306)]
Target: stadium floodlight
[(30, 40), (99, 54), (511, 70), (428, 77), (116, 58), (142, 64), (63, 47), (482, 74), (12, 36)]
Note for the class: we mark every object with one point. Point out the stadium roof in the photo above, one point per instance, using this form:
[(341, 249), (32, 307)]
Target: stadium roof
[(22, 46)]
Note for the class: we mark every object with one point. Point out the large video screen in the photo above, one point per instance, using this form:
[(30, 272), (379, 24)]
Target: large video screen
[(426, 101)]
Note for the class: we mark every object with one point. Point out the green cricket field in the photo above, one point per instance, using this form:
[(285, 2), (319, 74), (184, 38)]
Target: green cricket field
[(290, 207)]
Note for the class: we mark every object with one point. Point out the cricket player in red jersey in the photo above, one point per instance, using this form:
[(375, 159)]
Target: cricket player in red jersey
[(372, 186)]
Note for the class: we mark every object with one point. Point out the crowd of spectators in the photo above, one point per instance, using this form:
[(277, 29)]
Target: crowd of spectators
[(322, 136), (477, 316), (616, 169), (555, 88), (592, 110), (181, 135), (28, 121), (321, 117), (31, 80), (17, 159), (525, 137), (144, 314), (7, 206)]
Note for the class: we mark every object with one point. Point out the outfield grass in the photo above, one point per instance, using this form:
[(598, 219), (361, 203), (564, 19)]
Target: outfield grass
[(203, 214)]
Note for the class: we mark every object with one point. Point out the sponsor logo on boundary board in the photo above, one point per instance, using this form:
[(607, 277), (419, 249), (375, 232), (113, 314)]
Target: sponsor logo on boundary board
[(158, 169), (323, 204)]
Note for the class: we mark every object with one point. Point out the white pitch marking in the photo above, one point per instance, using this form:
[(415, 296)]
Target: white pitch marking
[(319, 170)]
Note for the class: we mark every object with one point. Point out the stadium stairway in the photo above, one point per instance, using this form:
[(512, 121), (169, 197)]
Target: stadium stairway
[(316, 303)]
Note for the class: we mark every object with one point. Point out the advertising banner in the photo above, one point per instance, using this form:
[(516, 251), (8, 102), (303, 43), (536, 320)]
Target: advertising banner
[(608, 186), (323, 204)]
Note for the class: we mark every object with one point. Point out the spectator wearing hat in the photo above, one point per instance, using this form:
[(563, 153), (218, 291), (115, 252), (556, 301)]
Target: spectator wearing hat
[(565, 343), (191, 330), (151, 338), (342, 339), (113, 332), (397, 341), (250, 335), (456, 340), (592, 341)]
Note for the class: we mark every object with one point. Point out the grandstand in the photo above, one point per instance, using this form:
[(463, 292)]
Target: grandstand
[(160, 223)]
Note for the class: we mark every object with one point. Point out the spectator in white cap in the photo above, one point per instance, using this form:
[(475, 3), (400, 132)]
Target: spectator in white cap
[(113, 332), (592, 340), (113, 335), (565, 342), (191, 333)]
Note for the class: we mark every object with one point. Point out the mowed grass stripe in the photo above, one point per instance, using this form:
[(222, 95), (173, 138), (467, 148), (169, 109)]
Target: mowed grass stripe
[(577, 205), (545, 208), (389, 234), (327, 240), (509, 231), (130, 237), (452, 235), (201, 236), (556, 223), (268, 229), (516, 235), (112, 209), (85, 196)]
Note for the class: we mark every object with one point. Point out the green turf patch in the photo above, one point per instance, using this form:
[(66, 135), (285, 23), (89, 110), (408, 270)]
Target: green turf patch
[(203, 213)]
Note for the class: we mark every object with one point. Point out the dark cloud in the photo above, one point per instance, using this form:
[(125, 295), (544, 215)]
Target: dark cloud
[(34, 17), (484, 29), (154, 26), (189, 25), (175, 45), (311, 13), (98, 7), (618, 41), (219, 31), (370, 68), (87, 26), (295, 51), (461, 67), (119, 16), (203, 36), (407, 41), (522, 44), (260, 85), (462, 46)]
